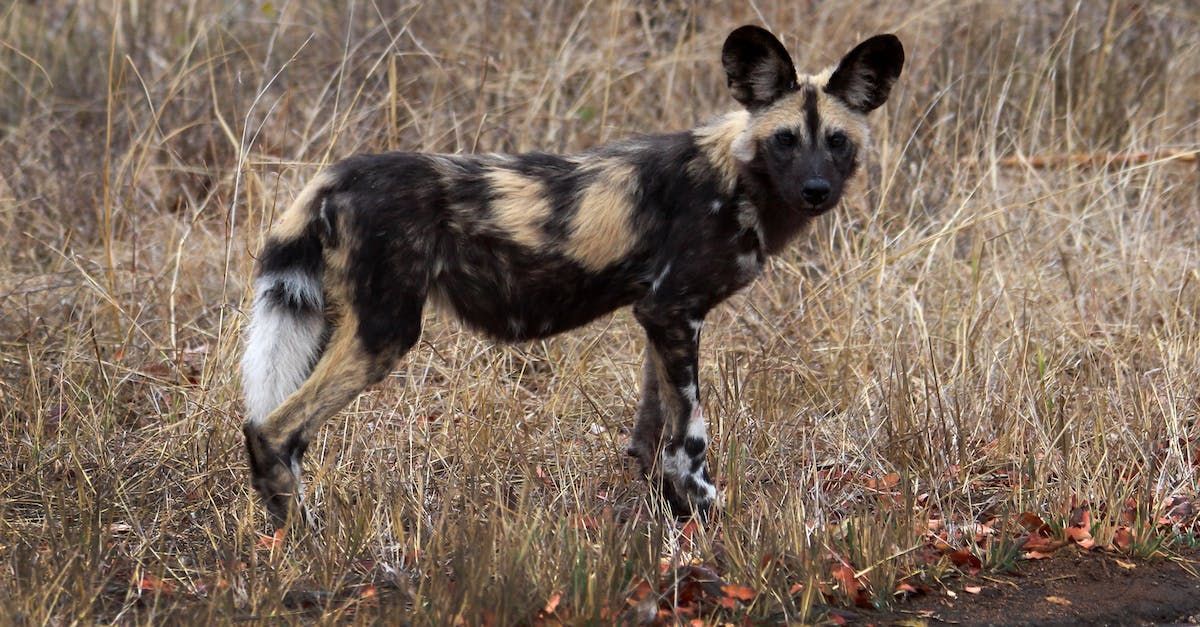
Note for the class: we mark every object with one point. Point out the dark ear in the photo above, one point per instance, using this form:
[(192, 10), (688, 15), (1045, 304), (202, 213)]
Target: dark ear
[(758, 67), (864, 78)]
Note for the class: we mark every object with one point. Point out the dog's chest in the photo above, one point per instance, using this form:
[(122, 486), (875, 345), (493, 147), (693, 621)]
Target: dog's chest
[(731, 254)]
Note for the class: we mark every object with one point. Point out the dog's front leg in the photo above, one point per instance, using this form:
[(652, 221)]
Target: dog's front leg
[(673, 348)]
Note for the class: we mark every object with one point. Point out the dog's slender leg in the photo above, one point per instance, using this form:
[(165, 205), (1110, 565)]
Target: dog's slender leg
[(675, 340), (648, 430)]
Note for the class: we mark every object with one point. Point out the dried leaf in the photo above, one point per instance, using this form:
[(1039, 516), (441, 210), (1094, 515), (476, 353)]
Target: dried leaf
[(152, 584), (972, 589), (1129, 513), (739, 592), (887, 482), (273, 541), (1036, 555), (583, 522), (1081, 535), (963, 558), (1126, 565), (552, 603), (1033, 523), (1058, 601), (844, 575), (1123, 539), (640, 591), (1081, 515), (1043, 544), (982, 531)]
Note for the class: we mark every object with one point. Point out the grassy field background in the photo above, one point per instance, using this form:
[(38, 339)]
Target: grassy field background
[(969, 337)]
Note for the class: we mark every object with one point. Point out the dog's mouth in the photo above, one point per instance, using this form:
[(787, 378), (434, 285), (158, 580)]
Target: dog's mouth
[(812, 211)]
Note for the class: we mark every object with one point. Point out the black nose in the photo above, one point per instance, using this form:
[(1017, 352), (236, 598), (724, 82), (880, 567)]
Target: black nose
[(815, 191)]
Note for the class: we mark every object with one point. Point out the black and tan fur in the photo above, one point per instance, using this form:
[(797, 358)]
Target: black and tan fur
[(527, 246)]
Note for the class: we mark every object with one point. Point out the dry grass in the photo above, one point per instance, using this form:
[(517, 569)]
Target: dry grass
[(1002, 338)]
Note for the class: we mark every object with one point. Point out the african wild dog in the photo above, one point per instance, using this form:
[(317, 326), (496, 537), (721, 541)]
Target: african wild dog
[(531, 245)]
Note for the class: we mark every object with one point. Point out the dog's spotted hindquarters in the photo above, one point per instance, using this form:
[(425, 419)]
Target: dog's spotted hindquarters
[(527, 246)]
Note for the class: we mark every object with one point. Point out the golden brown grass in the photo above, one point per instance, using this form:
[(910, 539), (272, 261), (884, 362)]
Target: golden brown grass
[(1002, 338)]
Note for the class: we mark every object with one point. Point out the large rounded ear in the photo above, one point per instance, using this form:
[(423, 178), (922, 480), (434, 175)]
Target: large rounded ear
[(863, 80), (758, 67)]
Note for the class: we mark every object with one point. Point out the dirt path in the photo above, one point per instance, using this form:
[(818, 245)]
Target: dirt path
[(1070, 589)]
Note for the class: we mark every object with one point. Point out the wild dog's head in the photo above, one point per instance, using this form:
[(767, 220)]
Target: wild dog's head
[(804, 136)]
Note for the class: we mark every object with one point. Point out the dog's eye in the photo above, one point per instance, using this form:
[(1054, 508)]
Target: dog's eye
[(785, 138), (837, 140)]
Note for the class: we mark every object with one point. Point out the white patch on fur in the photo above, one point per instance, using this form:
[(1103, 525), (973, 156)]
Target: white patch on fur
[(281, 345), (695, 427), (657, 283), (689, 394), (715, 207), (748, 265), (747, 216), (676, 465), (743, 147)]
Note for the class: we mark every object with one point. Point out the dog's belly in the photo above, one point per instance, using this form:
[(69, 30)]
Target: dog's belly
[(534, 300)]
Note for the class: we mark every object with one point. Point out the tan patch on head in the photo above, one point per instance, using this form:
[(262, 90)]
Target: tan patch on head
[(836, 116), (600, 233), (787, 112), (717, 143), (295, 219), (519, 207)]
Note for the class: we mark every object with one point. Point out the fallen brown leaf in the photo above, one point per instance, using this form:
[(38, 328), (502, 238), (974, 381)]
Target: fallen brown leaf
[(1126, 565), (552, 603), (1123, 539), (1042, 544), (639, 592), (972, 589), (1058, 601), (1033, 523), (844, 575), (887, 482), (963, 558), (150, 583), (739, 592), (271, 542)]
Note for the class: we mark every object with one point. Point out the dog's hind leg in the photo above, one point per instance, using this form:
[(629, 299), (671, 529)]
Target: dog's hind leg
[(346, 368), (648, 430)]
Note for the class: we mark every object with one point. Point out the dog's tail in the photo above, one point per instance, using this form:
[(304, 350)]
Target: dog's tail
[(288, 329)]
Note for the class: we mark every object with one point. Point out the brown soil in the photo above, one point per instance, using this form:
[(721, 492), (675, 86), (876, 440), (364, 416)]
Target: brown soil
[(1070, 589)]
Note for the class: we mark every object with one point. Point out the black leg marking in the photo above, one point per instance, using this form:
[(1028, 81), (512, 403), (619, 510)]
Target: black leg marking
[(682, 442)]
